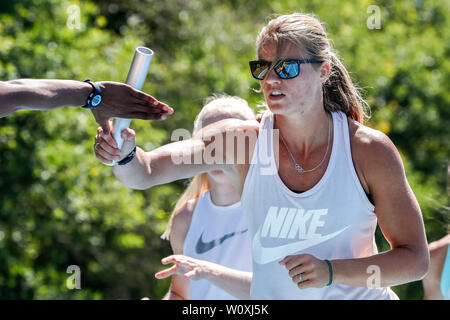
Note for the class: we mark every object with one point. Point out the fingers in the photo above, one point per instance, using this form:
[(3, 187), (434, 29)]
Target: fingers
[(169, 259), (294, 260), (129, 141), (305, 283), (128, 134), (105, 125), (303, 268), (103, 153), (109, 138), (103, 149), (148, 116), (148, 100), (167, 272), (170, 271), (306, 271), (123, 101)]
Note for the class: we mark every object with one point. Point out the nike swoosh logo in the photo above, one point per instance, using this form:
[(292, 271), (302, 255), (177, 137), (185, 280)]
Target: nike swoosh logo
[(203, 247), (263, 255)]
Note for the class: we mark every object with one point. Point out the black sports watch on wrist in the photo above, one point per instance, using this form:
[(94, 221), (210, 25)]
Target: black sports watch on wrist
[(95, 97)]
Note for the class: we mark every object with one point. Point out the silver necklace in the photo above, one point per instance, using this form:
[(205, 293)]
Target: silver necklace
[(297, 166)]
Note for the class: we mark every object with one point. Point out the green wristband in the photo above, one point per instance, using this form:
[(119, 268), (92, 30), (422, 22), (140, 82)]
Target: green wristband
[(331, 272)]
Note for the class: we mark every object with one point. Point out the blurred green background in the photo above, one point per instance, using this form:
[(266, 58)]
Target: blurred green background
[(59, 206)]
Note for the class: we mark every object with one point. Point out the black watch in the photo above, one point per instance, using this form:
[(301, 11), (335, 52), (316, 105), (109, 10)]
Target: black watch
[(95, 97)]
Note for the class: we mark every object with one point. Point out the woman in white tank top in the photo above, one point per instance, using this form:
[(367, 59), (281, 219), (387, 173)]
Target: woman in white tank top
[(314, 189)]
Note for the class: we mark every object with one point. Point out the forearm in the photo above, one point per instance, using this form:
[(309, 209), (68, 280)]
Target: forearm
[(136, 173), (235, 282), (41, 94), (397, 266)]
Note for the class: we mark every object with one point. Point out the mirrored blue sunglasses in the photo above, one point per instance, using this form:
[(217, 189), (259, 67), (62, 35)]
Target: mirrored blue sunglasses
[(285, 69)]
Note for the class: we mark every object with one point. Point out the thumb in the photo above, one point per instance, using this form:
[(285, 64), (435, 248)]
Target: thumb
[(191, 273), (129, 139), (104, 125), (107, 126)]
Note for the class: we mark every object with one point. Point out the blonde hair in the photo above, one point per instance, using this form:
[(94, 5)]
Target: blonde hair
[(308, 34), (232, 106)]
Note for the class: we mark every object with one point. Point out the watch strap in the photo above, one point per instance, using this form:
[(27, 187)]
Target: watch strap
[(95, 98), (128, 158)]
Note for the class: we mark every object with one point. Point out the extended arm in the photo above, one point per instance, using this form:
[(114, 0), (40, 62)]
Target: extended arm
[(185, 268), (206, 151), (381, 171), (41, 94), (399, 217), (119, 100)]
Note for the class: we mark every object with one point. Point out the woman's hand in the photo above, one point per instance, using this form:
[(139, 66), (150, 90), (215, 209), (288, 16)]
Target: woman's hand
[(314, 272), (105, 147), (188, 267)]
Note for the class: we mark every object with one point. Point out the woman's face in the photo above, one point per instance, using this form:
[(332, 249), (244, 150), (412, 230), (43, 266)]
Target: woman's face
[(212, 116), (291, 96)]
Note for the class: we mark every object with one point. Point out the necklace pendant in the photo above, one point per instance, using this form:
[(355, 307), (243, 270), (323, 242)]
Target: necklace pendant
[(298, 168)]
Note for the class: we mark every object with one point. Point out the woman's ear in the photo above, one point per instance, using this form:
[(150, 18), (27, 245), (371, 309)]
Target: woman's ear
[(324, 72)]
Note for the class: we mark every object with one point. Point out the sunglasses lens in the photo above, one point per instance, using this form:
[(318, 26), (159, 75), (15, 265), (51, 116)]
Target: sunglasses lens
[(259, 69), (288, 69)]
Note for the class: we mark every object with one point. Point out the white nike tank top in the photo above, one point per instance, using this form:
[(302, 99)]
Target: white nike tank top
[(332, 220), (220, 235)]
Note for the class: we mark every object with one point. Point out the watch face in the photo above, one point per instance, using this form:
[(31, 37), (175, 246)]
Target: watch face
[(96, 100)]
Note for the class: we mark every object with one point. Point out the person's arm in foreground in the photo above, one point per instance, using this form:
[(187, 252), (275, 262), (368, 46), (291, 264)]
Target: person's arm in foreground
[(119, 99), (399, 218), (177, 160), (235, 282)]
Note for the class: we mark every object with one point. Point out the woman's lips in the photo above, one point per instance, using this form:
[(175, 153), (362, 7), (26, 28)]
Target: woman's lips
[(276, 97)]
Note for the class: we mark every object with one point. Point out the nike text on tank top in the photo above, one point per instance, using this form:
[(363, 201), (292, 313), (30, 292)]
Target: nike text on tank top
[(219, 235), (332, 220)]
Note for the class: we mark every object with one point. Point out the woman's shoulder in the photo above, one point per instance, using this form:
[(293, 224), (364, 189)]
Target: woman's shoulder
[(362, 136), (375, 156), (183, 215), (371, 144)]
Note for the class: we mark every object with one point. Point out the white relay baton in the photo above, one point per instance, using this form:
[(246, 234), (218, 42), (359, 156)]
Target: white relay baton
[(136, 78)]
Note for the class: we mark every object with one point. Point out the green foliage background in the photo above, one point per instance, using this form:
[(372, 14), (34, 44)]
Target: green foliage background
[(59, 206)]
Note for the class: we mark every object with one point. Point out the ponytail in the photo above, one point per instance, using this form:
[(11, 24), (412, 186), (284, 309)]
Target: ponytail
[(340, 94)]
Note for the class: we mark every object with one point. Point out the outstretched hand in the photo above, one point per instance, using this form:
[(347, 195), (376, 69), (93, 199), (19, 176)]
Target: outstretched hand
[(183, 265), (123, 101)]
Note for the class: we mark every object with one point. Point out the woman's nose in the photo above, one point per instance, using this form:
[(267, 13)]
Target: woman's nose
[(272, 78)]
